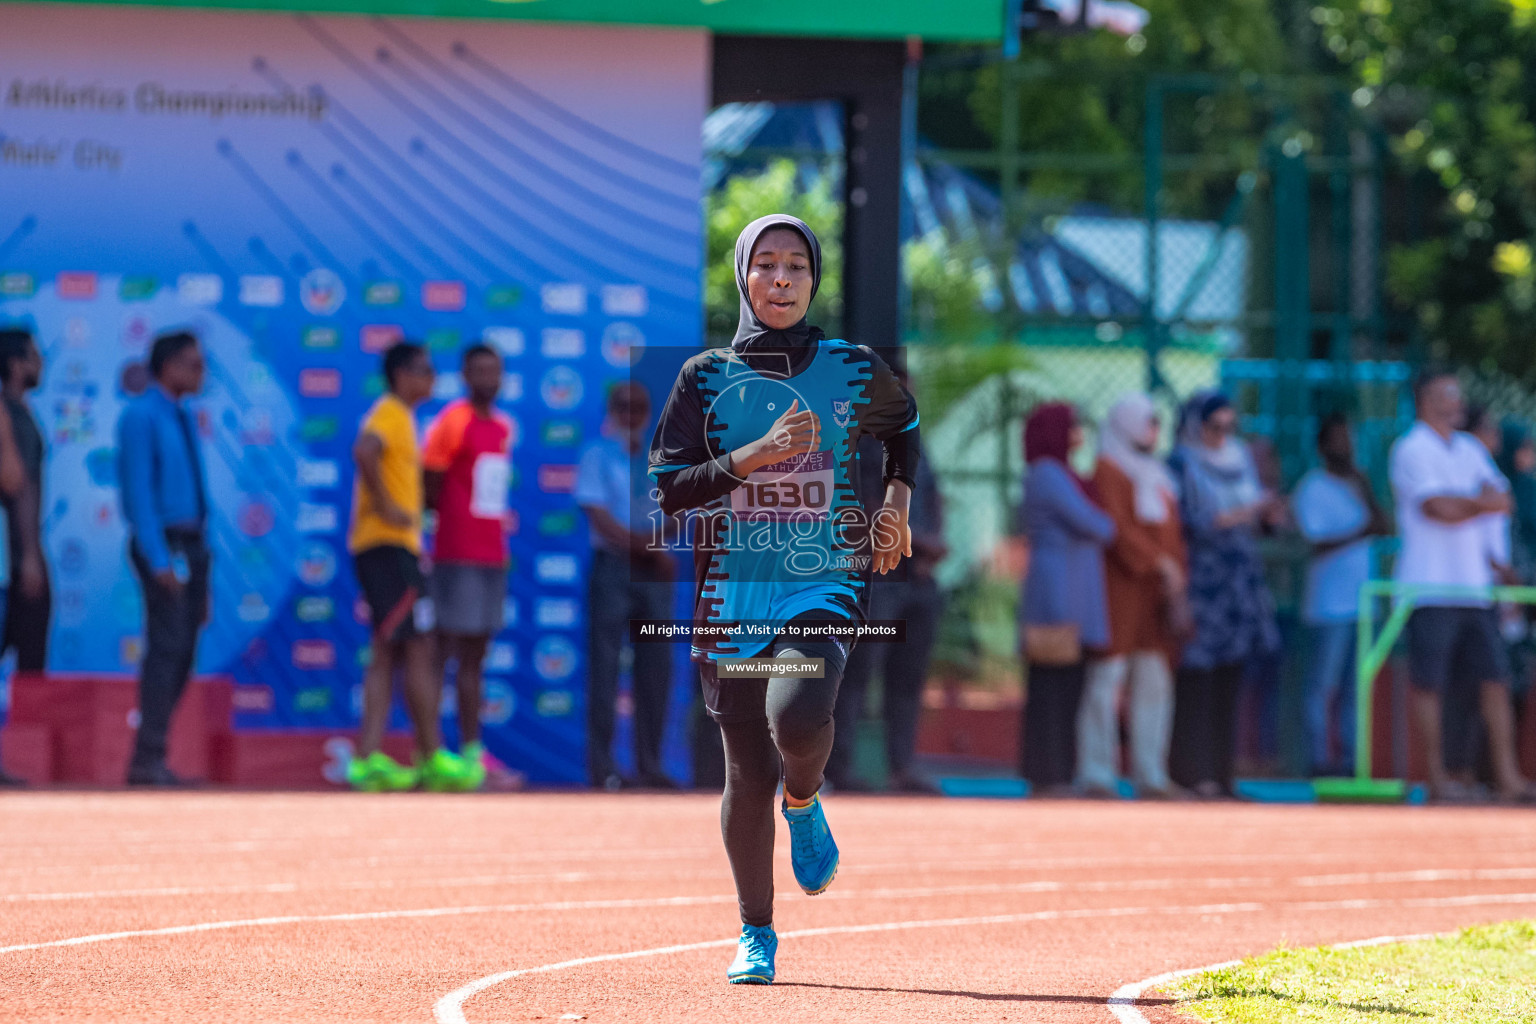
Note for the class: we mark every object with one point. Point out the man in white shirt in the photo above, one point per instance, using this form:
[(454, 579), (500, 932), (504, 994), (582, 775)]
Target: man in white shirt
[(1442, 480), (1338, 515)]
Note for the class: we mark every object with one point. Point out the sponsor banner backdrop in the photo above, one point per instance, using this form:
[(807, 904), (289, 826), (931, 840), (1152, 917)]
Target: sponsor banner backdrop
[(303, 192)]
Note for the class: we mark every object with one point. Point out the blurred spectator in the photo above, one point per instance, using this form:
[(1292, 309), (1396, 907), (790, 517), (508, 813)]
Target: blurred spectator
[(630, 579), (13, 479), (30, 608), (1517, 458), (468, 472), (1223, 506), (1338, 516), (914, 599), (1063, 612), (165, 501), (1144, 571), (385, 541), (1444, 484)]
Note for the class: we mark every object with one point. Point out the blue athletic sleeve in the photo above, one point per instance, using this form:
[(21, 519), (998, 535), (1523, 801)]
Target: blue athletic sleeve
[(687, 474)]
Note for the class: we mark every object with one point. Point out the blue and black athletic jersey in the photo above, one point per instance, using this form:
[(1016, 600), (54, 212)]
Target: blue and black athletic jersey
[(791, 538)]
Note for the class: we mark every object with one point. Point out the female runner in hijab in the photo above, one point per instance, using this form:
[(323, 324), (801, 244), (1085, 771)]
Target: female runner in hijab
[(760, 439)]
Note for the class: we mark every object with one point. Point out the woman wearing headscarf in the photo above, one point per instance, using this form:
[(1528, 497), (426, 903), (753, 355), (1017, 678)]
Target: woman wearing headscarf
[(1062, 615), (1222, 505), (1144, 571), (760, 436)]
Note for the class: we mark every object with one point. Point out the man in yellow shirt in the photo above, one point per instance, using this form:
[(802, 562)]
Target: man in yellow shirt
[(385, 542)]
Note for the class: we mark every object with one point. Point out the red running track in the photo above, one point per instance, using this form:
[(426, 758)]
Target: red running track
[(341, 907)]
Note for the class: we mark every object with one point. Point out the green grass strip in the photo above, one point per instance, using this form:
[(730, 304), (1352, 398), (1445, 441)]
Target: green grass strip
[(1481, 975)]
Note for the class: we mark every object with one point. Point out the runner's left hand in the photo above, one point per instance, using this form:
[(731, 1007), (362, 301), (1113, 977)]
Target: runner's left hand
[(891, 537)]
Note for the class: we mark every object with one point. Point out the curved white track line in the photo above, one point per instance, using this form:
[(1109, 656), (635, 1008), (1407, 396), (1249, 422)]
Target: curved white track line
[(1122, 1003), (450, 1008)]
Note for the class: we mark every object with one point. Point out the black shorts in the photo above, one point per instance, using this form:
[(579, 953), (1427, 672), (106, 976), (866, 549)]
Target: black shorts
[(391, 581), (746, 699), (1455, 647)]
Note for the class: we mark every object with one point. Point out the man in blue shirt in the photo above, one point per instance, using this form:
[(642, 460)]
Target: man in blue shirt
[(165, 500)]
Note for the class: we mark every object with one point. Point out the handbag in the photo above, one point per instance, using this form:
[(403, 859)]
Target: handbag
[(1053, 645)]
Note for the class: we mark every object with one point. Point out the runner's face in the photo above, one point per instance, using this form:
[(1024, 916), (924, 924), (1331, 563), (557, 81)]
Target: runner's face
[(482, 377), (779, 278)]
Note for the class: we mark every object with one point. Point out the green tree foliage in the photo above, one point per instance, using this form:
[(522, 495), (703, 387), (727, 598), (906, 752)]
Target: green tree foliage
[(743, 198), (1455, 81)]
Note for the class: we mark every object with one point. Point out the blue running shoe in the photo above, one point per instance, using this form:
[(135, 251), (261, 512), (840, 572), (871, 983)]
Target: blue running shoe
[(811, 849), (754, 957)]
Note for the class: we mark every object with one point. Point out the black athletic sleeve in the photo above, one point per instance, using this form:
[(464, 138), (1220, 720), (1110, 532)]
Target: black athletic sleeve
[(686, 474), (891, 416)]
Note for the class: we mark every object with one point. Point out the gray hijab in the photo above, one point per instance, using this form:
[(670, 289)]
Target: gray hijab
[(752, 335)]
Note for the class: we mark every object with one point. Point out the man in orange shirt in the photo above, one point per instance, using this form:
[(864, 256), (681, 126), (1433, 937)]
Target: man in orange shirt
[(468, 474)]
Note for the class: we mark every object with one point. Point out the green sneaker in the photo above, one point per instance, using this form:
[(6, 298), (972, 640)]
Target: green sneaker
[(380, 773), (474, 762), (445, 772)]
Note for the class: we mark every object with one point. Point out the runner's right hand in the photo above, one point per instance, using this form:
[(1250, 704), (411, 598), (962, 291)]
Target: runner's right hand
[(795, 432)]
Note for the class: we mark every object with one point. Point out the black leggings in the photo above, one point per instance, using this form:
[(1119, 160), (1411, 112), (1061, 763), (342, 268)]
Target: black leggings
[(1204, 725), (786, 734)]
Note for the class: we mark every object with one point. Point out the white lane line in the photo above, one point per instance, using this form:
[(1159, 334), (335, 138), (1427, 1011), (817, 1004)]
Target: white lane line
[(1128, 885), (1122, 1003), (450, 1008)]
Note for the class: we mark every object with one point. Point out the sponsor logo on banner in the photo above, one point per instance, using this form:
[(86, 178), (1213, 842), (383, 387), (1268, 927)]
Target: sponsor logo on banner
[(511, 387), (383, 293), (253, 609), (506, 340), (556, 613), (137, 289), (560, 433), (501, 657), (314, 654), (556, 567), (256, 427), (498, 703), (137, 330), (443, 296), (566, 299), (375, 338), (254, 699), (317, 518), (200, 289), (316, 564), (313, 700), (130, 649), (101, 465), (75, 284), (321, 337), (623, 345), (503, 296), (319, 382), (15, 284), (319, 428), (561, 388), (314, 609), (317, 473), (261, 290), (510, 522), (554, 657), (373, 385), (558, 524), (555, 703), (444, 339), (625, 300), (562, 343), (255, 518), (322, 292), (77, 334), (557, 478)]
